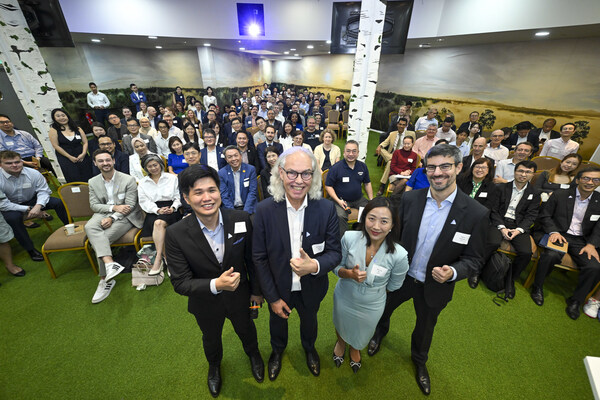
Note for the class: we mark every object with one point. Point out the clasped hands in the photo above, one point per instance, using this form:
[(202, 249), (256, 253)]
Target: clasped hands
[(121, 209), (509, 234)]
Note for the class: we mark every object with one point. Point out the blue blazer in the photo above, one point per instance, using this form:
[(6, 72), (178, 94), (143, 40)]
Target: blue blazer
[(136, 101), (248, 187), (271, 249), (220, 157), (261, 148)]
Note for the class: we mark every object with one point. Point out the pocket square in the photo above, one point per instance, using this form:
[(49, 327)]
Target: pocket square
[(453, 222), (238, 241)]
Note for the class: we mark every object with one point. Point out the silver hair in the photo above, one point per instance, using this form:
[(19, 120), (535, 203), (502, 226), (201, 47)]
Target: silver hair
[(152, 157), (276, 187)]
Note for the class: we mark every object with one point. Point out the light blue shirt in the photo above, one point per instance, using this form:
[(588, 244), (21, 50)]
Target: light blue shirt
[(22, 142), (464, 147), (216, 241), (432, 224), (20, 189), (578, 214)]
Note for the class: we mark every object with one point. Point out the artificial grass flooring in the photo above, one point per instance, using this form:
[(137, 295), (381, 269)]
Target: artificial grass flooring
[(56, 344)]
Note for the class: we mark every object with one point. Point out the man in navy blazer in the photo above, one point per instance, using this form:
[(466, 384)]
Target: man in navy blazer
[(444, 231), (237, 173), (218, 152), (524, 134), (137, 96), (295, 244), (546, 132), (262, 147)]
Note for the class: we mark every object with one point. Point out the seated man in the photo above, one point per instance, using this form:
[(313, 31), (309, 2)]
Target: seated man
[(121, 159), (386, 149), (429, 119), (249, 154), (559, 148), (402, 113), (114, 200), (311, 133), (239, 188), (133, 126), (24, 143), (236, 127), (445, 131), (344, 184), (514, 211), (478, 148), (27, 196), (572, 216), (495, 150), (524, 134), (547, 131), (505, 169), (466, 126), (116, 129), (270, 135), (462, 143), (424, 143)]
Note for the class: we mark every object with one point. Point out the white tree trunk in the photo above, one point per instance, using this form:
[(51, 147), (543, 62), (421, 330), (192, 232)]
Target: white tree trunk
[(366, 71), (28, 74)]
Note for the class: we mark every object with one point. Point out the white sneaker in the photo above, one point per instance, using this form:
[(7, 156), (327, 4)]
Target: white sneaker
[(113, 269), (591, 307), (103, 290)]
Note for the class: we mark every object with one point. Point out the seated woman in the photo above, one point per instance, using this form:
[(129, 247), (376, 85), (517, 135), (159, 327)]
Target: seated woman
[(190, 135), (98, 130), (474, 133), (327, 153), (561, 177), (285, 135), (403, 162), (143, 113), (372, 265), (478, 183), (190, 117), (271, 155), (298, 140), (176, 161), (320, 121), (135, 164), (294, 117), (179, 110), (147, 129), (237, 104), (159, 197)]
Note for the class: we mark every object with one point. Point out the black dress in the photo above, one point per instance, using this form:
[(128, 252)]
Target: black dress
[(73, 172)]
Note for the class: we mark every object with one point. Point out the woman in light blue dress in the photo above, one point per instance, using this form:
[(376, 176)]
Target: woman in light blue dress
[(372, 264)]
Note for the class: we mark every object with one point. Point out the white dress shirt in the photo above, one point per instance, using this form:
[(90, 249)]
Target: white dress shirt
[(167, 189), (496, 154), (558, 148), (97, 100), (578, 214), (296, 228)]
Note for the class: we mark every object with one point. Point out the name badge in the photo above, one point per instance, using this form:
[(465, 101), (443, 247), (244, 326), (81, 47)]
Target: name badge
[(222, 155), (345, 179), (410, 160), (146, 141), (26, 185), (10, 143), (75, 189), (530, 197), (183, 161), (461, 238), (77, 137), (121, 196), (564, 186), (239, 227), (482, 194), (318, 248), (246, 183), (594, 217), (377, 270)]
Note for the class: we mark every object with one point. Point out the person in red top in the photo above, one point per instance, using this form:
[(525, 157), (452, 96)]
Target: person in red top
[(404, 162)]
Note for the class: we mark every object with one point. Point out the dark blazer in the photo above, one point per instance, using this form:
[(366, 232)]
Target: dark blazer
[(276, 124), (531, 138), (486, 194), (467, 163), (465, 126), (253, 158), (557, 214), (469, 218), (394, 125), (272, 252), (260, 149), (220, 157), (233, 135), (527, 209), (553, 134), (248, 187), (192, 263), (121, 163)]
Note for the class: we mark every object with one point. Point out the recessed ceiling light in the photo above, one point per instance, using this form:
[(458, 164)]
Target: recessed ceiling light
[(425, 45), (206, 44), (158, 47), (96, 40), (440, 39), (296, 55), (542, 33), (292, 49), (242, 48), (328, 42), (152, 37), (286, 52), (310, 46)]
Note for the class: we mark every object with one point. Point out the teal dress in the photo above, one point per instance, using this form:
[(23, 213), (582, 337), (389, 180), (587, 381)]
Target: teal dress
[(357, 307)]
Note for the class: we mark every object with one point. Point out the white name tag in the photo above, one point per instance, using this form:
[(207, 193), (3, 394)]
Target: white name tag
[(410, 160), (222, 155), (75, 189), (564, 186), (121, 196), (345, 179), (318, 248), (360, 211), (146, 141), (530, 197), (183, 162), (239, 227), (378, 270), (26, 185), (246, 183), (594, 217), (461, 238), (77, 137), (10, 143), (482, 194)]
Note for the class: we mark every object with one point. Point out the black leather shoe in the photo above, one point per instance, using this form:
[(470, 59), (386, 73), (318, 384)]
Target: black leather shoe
[(313, 362), (48, 217), (33, 225), (573, 309), (274, 365), (214, 380), (423, 381), (20, 273), (374, 344), (510, 290), (473, 281), (35, 255), (258, 366), (537, 295)]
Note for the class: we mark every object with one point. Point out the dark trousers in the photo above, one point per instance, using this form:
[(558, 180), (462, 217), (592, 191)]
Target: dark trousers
[(308, 325), (15, 220), (101, 115), (44, 163), (589, 270), (521, 243), (211, 321), (426, 318)]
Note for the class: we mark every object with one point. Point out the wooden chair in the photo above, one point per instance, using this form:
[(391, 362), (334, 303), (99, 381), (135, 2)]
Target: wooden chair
[(391, 116), (76, 199), (324, 178), (545, 163), (261, 196), (332, 120), (507, 248), (587, 162), (344, 122), (50, 179), (419, 134), (252, 130), (326, 109)]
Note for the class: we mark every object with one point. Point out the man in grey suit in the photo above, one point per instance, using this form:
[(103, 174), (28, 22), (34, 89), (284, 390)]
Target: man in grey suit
[(133, 127), (114, 200)]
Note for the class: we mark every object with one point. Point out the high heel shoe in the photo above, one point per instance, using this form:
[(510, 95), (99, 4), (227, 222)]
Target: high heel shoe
[(337, 359), (157, 272), (355, 365)]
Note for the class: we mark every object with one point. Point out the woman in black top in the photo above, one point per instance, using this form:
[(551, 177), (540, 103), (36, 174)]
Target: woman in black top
[(271, 155), (561, 177), (478, 182), (178, 97)]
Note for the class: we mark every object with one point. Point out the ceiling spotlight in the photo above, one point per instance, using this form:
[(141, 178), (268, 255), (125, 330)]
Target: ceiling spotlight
[(292, 49), (328, 42), (158, 47), (96, 40), (254, 30), (206, 44), (328, 52), (296, 55), (542, 33), (152, 37), (286, 52), (310, 46), (242, 48), (425, 45), (440, 39)]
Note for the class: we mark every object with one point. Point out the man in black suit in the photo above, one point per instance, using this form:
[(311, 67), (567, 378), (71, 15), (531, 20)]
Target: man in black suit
[(524, 134), (443, 231), (295, 244), (209, 256), (571, 216), (262, 147), (513, 213), (466, 126), (477, 149), (546, 132)]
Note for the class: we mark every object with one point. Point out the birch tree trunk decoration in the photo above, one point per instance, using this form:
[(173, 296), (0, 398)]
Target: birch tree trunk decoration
[(365, 72), (28, 74)]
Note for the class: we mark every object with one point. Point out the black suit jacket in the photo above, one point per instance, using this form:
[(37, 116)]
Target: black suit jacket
[(394, 125), (466, 161), (531, 138), (527, 209), (466, 216), (192, 263), (272, 250), (465, 126), (276, 124), (486, 194), (536, 132), (557, 214)]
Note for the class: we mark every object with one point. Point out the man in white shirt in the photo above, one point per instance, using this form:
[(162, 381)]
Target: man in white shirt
[(559, 148), (423, 122), (445, 131), (263, 109), (173, 130), (99, 102), (495, 150), (505, 169)]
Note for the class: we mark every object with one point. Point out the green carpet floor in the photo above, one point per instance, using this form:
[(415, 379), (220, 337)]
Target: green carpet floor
[(144, 345)]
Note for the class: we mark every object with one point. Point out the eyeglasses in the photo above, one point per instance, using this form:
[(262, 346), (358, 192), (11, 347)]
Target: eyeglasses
[(587, 179), (292, 175), (481, 166), (5, 122), (444, 167), (523, 172)]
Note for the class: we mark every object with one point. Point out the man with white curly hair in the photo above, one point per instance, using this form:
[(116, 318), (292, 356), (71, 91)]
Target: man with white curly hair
[(296, 243)]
